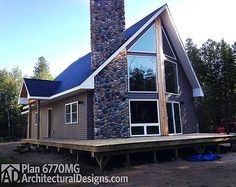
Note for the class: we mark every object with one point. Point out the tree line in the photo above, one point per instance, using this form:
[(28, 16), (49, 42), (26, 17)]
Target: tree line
[(12, 123), (215, 66)]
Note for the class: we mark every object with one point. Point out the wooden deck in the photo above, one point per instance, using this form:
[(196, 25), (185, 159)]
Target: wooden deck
[(108, 147)]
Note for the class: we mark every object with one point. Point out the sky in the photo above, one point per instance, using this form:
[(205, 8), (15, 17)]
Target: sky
[(59, 30)]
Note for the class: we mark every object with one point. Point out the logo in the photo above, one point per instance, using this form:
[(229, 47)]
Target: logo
[(10, 173)]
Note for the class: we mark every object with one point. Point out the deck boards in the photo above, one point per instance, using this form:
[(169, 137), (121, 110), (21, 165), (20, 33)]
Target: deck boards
[(123, 144)]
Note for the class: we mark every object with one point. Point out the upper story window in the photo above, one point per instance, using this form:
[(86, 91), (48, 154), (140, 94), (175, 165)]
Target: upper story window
[(71, 113), (142, 63), (146, 43), (142, 73), (171, 77), (167, 49)]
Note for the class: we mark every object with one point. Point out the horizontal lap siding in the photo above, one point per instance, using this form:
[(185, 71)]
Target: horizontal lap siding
[(73, 131), (59, 128)]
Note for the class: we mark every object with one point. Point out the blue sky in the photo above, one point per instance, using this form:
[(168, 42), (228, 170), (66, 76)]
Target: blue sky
[(59, 29)]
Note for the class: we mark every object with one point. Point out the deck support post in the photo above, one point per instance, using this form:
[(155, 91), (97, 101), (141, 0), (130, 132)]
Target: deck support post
[(77, 157), (200, 149), (154, 156), (102, 162), (218, 148), (127, 159), (176, 153)]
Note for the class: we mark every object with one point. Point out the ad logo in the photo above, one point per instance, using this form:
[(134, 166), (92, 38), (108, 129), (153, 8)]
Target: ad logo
[(10, 173)]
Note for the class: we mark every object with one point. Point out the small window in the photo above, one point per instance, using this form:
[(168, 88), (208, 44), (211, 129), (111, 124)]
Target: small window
[(171, 77), (36, 118), (71, 113)]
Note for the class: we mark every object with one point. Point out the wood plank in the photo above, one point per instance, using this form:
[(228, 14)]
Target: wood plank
[(161, 80), (135, 144)]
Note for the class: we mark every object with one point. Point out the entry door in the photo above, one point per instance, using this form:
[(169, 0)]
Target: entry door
[(174, 118), (49, 122)]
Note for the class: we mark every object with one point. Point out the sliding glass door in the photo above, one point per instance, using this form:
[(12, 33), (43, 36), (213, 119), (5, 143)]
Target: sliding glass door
[(174, 118)]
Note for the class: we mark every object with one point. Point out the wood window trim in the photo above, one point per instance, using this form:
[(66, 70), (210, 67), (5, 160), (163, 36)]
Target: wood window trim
[(144, 125), (77, 112)]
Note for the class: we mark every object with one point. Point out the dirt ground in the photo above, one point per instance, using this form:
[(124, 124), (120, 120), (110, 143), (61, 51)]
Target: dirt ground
[(219, 173)]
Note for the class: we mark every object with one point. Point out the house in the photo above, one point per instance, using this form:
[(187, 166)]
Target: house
[(134, 82)]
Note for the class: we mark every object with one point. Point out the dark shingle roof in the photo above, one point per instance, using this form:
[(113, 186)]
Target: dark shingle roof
[(77, 72), (41, 88)]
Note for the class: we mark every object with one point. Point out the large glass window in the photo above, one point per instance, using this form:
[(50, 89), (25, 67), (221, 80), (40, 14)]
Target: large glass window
[(167, 49), (174, 119), (142, 73), (71, 113), (146, 43), (171, 77), (144, 117)]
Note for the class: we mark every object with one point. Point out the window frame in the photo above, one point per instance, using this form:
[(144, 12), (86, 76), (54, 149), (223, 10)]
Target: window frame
[(144, 125), (173, 117), (140, 54), (169, 45), (77, 112), (177, 78)]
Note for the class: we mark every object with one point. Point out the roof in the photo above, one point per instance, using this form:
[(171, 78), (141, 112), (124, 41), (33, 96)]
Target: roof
[(80, 71), (41, 88)]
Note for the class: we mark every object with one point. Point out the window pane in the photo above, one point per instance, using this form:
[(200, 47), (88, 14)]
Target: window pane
[(142, 73), (177, 118), (74, 117), (67, 109), (146, 43), (137, 130), (167, 49), (171, 77), (144, 112), (68, 120), (153, 130), (74, 107), (170, 118)]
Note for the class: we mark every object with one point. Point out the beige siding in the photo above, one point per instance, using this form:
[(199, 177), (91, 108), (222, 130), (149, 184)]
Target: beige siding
[(59, 128)]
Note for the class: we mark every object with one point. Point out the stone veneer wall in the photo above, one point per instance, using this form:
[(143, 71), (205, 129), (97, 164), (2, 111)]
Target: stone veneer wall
[(111, 105), (107, 22)]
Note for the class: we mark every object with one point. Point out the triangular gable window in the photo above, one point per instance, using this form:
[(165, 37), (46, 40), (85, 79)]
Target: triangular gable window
[(146, 43), (167, 49)]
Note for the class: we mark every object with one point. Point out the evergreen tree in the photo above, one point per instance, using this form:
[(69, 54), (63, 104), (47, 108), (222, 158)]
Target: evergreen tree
[(41, 70), (215, 67)]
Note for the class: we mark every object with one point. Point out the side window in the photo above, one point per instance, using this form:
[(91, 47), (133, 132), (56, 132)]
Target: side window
[(71, 113)]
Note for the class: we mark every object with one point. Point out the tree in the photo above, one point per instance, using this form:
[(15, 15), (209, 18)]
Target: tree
[(214, 64), (41, 70), (12, 122)]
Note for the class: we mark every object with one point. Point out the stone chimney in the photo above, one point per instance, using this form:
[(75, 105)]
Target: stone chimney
[(107, 19)]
